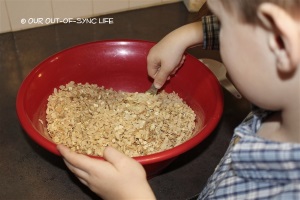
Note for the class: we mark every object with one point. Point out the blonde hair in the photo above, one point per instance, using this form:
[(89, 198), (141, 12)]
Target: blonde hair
[(247, 8)]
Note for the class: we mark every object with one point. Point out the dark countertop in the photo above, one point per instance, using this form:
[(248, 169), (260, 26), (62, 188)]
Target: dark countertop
[(27, 171)]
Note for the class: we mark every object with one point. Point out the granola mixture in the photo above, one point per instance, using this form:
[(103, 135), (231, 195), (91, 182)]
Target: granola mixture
[(87, 118)]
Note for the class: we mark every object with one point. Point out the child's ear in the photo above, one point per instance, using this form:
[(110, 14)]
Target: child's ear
[(284, 37)]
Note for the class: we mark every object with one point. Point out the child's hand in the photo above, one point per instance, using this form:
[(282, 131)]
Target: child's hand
[(163, 60), (167, 56), (119, 177)]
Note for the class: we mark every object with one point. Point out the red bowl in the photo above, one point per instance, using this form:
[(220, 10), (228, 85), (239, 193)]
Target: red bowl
[(121, 65)]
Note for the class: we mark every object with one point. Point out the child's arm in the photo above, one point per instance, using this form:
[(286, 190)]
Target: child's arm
[(119, 177), (167, 55)]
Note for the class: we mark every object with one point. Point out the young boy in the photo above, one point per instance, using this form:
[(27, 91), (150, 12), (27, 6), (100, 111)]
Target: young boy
[(260, 47)]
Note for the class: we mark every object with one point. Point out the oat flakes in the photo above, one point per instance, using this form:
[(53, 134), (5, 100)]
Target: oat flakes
[(87, 118)]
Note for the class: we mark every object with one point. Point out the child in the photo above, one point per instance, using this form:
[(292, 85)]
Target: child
[(260, 47)]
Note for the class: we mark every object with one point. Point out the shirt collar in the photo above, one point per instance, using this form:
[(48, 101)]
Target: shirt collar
[(260, 159), (255, 158)]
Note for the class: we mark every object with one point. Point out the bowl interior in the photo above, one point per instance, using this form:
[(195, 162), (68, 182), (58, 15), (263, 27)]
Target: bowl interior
[(120, 65)]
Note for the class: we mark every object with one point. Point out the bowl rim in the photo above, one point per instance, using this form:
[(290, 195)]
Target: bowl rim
[(144, 160)]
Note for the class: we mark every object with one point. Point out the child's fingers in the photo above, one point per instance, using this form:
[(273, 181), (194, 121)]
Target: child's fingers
[(115, 157), (76, 160), (123, 163), (178, 66), (72, 157), (72, 160), (80, 174), (83, 181), (161, 77), (164, 72), (152, 68), (182, 60)]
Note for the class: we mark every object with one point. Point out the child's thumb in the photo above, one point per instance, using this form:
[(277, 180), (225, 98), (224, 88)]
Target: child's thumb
[(114, 156), (161, 78)]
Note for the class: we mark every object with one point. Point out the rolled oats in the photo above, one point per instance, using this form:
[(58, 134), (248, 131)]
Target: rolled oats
[(87, 118)]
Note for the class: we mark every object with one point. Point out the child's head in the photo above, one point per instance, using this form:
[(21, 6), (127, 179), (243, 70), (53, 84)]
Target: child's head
[(248, 8), (260, 47)]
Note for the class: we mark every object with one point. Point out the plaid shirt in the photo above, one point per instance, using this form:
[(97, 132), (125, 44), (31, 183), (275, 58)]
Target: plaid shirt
[(255, 168), (211, 28)]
